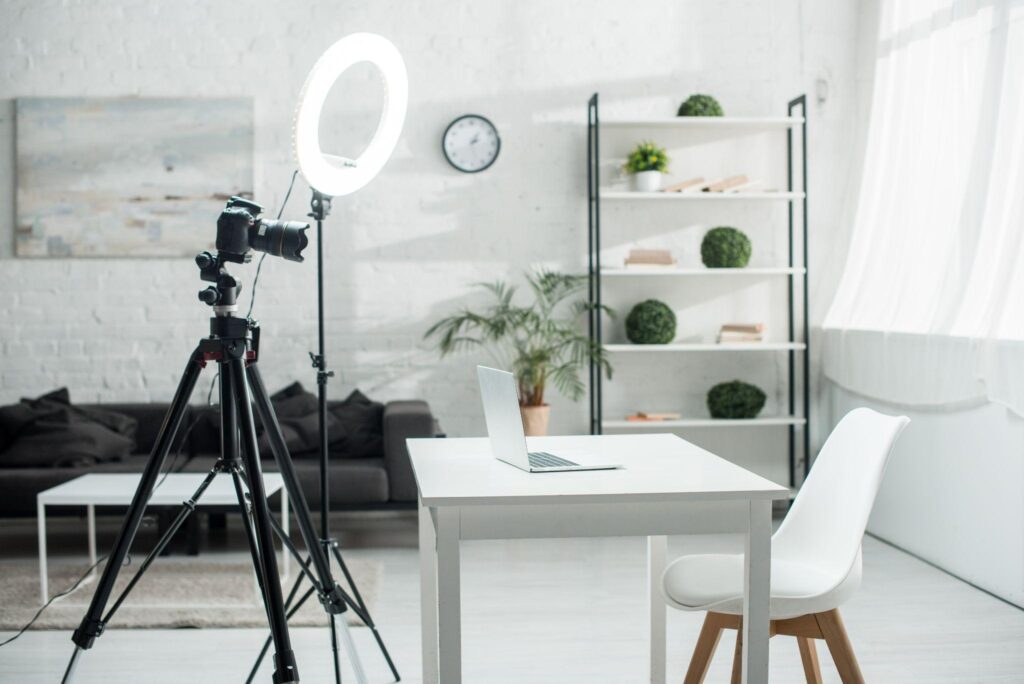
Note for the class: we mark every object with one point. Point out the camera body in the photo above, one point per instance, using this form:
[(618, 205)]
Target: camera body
[(240, 230)]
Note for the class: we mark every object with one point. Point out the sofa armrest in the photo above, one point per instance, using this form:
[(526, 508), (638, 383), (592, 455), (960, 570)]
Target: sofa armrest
[(402, 420)]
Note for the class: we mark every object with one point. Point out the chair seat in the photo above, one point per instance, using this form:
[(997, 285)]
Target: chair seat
[(715, 582)]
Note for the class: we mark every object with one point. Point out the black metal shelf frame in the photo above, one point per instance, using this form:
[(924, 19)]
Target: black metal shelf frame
[(594, 279)]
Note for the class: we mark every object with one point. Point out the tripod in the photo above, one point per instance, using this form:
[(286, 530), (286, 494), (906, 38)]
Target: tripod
[(320, 206), (233, 345)]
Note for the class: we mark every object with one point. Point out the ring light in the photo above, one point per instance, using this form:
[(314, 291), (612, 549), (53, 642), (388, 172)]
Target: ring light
[(333, 175)]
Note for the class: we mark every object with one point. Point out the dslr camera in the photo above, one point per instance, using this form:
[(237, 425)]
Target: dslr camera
[(240, 229)]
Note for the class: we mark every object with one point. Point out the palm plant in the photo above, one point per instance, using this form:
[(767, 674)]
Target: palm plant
[(541, 343)]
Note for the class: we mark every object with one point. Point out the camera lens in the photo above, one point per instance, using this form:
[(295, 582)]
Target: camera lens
[(279, 238)]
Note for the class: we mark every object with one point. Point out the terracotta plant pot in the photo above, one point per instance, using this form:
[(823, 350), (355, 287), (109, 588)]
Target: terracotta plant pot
[(647, 181), (535, 420)]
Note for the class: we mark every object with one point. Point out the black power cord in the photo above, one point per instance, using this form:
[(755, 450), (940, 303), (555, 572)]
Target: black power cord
[(259, 264)]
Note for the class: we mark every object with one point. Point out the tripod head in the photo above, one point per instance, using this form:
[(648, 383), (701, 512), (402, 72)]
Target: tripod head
[(223, 294)]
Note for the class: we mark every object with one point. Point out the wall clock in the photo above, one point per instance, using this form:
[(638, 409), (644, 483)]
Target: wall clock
[(471, 143)]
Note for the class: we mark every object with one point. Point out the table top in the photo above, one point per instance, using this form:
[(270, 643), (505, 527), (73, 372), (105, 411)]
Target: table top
[(116, 489), (655, 467)]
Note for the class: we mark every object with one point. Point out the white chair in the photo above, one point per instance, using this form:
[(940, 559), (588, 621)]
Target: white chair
[(816, 555)]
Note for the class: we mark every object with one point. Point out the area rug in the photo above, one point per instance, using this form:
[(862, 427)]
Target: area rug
[(174, 593)]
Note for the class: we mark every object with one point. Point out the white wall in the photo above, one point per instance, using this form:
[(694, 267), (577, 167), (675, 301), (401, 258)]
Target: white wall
[(954, 491), (402, 251)]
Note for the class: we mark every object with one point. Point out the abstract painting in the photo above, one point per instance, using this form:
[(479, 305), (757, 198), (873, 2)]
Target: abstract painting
[(128, 177)]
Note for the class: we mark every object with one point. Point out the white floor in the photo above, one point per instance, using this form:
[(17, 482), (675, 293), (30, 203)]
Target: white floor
[(559, 611)]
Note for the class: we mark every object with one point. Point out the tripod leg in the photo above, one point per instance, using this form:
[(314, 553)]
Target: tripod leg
[(350, 648), (334, 602), (92, 624), (187, 509), (292, 610), (363, 612), (335, 655), (285, 666)]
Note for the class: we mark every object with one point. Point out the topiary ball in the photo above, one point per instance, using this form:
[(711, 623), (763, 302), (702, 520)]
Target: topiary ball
[(700, 105), (725, 247), (735, 399), (651, 322)]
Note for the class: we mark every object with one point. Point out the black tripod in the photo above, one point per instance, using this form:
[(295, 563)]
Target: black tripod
[(320, 206), (233, 344)]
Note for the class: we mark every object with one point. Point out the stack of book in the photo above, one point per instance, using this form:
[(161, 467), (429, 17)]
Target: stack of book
[(650, 258), (741, 332), (641, 417), (728, 184)]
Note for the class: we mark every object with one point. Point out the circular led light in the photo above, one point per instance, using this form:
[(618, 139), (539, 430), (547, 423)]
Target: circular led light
[(334, 175)]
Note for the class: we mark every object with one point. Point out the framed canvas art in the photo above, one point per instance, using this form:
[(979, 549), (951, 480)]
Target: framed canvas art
[(128, 177)]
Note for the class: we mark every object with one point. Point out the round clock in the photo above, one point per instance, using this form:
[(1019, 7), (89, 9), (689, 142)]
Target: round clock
[(471, 143)]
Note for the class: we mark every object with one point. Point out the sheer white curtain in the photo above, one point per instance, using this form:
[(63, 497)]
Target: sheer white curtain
[(930, 308)]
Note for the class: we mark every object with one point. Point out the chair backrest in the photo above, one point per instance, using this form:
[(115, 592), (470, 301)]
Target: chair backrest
[(825, 525)]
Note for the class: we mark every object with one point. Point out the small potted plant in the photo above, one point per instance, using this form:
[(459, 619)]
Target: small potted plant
[(541, 343), (646, 163)]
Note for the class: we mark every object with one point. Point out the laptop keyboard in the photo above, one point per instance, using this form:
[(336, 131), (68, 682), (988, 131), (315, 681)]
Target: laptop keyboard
[(542, 459)]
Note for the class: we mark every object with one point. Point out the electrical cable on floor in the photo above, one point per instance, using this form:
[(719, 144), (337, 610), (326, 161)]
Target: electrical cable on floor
[(259, 264)]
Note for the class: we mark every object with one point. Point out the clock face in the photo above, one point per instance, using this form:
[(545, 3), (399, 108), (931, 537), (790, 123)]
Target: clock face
[(471, 143)]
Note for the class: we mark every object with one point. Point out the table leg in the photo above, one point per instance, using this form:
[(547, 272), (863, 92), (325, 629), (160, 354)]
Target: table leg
[(657, 551), (90, 519), (286, 561), (449, 597), (44, 590), (756, 592), (428, 594)]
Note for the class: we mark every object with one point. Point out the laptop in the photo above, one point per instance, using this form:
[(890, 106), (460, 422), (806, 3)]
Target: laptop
[(505, 427)]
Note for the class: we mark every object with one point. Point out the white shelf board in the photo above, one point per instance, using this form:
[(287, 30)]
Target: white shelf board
[(702, 423), (745, 124), (699, 196), (701, 271), (697, 347)]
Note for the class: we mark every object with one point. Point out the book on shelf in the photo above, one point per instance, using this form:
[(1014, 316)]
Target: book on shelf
[(644, 417), (645, 258), (694, 183), (741, 332), (726, 184)]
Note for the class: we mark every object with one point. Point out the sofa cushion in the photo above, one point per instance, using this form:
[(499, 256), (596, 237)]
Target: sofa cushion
[(50, 432), (360, 431), (149, 417)]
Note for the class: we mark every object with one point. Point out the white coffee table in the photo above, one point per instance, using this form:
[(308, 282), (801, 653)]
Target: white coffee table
[(118, 489)]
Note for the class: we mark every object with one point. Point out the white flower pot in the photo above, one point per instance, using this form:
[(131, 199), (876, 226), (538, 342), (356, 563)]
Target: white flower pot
[(647, 181)]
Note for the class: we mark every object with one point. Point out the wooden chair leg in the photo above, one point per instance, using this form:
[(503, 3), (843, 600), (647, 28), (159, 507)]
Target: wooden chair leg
[(809, 657), (839, 646), (737, 658), (707, 642)]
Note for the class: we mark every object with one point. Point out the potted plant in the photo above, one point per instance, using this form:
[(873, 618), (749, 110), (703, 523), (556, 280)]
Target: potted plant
[(542, 342), (646, 163), (700, 105)]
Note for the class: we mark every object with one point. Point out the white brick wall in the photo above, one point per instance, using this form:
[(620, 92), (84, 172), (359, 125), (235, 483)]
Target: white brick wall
[(402, 251)]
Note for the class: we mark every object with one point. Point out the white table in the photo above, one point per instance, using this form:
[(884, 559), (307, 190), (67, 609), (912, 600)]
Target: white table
[(117, 489), (667, 486)]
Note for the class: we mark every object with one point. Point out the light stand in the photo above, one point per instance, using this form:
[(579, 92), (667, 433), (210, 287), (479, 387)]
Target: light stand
[(333, 176)]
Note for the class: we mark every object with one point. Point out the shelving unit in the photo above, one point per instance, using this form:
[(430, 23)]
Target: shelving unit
[(795, 346)]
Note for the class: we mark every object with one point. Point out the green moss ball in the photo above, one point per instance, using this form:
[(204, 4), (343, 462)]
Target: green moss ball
[(700, 105), (725, 247), (651, 322), (735, 399)]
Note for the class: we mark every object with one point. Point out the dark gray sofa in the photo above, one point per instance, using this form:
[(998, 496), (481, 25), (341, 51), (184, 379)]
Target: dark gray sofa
[(382, 482)]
